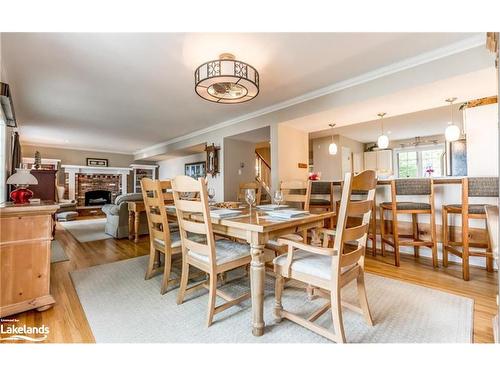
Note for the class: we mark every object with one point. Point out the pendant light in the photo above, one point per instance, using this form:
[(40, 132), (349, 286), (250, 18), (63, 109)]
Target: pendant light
[(226, 80), (332, 149), (383, 140), (452, 132)]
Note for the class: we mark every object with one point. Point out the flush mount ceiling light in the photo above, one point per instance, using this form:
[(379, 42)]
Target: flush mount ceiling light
[(383, 140), (226, 80), (332, 149), (452, 132)]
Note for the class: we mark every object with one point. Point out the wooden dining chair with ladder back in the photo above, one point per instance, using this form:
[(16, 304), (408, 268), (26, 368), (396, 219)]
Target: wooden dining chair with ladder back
[(164, 238), (204, 252), (329, 269)]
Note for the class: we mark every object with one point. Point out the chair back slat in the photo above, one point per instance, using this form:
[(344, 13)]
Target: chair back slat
[(352, 257), (156, 212), (297, 191), (244, 186), (346, 238), (193, 214), (355, 233), (189, 206), (356, 208), (193, 227)]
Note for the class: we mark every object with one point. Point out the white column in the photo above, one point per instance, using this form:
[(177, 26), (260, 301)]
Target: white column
[(71, 184), (124, 182)]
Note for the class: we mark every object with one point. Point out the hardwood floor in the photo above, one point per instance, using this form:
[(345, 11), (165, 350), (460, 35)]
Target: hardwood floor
[(68, 324)]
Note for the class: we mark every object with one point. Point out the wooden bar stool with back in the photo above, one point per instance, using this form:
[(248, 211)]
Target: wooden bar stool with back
[(406, 187), (471, 187)]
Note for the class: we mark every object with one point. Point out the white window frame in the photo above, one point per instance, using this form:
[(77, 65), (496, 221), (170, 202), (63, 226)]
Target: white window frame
[(418, 150)]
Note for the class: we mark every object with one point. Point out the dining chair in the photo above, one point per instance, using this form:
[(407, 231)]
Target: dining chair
[(407, 187), (471, 187), (204, 253), (329, 269), (372, 233), (297, 194), (244, 186), (164, 237)]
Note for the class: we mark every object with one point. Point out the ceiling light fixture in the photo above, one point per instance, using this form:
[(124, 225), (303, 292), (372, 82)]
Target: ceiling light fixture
[(383, 140), (332, 149), (452, 132), (226, 80)]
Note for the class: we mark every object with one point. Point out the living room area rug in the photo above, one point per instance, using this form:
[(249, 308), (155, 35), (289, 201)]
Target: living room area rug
[(122, 307), (87, 230)]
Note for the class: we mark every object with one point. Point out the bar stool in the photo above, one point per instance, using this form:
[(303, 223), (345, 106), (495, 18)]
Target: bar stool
[(471, 187), (321, 198), (409, 186)]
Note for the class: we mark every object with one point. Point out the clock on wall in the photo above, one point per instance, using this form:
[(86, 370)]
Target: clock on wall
[(212, 159)]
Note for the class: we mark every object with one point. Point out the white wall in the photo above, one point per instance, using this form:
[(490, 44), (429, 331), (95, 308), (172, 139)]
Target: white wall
[(235, 153), (482, 140), (175, 167)]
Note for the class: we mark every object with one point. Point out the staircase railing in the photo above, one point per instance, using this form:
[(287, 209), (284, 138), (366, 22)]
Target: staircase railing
[(263, 173)]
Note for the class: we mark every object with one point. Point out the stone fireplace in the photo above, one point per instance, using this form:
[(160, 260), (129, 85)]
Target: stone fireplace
[(95, 186)]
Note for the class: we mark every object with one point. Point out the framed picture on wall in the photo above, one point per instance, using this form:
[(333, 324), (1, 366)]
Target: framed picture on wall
[(195, 170), (94, 162)]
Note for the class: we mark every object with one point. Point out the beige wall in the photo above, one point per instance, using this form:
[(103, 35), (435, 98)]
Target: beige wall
[(293, 148), (237, 152), (79, 157), (330, 166)]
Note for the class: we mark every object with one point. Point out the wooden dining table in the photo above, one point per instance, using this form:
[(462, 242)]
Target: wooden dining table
[(257, 230)]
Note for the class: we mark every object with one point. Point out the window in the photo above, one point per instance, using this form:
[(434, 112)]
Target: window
[(407, 164), (420, 162)]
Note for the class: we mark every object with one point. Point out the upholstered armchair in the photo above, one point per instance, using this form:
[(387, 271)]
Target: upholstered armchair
[(117, 216)]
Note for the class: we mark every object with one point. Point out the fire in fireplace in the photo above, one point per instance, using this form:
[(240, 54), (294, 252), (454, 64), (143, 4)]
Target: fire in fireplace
[(97, 197)]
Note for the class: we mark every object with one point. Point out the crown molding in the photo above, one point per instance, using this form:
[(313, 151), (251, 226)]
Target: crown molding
[(48, 145), (399, 66)]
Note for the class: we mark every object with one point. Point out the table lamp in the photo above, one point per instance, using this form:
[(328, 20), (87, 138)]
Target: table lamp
[(21, 179)]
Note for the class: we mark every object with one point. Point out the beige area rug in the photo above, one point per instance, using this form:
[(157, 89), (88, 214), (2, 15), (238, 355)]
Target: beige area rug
[(57, 253), (122, 307), (87, 230)]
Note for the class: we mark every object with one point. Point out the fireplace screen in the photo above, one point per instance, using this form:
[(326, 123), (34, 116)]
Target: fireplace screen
[(97, 197)]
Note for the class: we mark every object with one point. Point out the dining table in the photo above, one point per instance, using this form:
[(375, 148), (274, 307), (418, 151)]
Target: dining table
[(256, 228)]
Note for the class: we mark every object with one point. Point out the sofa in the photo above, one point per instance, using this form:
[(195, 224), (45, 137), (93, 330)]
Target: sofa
[(117, 216)]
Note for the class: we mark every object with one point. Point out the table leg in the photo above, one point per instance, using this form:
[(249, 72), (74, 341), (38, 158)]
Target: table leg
[(130, 224), (136, 229), (257, 280)]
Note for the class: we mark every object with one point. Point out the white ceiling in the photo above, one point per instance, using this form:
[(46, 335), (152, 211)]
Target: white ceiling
[(478, 84), (126, 91), (418, 124)]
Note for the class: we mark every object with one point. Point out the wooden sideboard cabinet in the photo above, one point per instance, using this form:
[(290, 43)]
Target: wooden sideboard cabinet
[(25, 237)]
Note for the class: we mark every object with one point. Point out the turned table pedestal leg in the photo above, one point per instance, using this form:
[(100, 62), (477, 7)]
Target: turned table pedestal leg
[(257, 280)]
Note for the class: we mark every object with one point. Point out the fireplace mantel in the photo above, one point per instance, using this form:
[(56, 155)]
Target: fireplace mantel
[(73, 170)]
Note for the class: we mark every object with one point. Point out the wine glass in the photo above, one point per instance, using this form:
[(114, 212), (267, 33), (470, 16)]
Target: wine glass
[(278, 197), (211, 193), (250, 198)]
